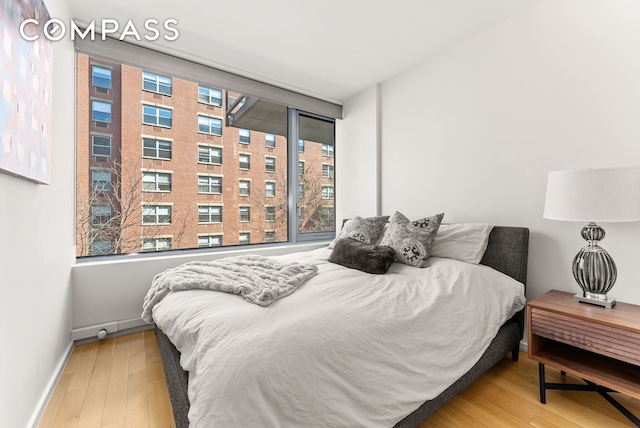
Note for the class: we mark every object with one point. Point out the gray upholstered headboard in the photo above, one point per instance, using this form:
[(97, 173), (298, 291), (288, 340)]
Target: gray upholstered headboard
[(508, 251)]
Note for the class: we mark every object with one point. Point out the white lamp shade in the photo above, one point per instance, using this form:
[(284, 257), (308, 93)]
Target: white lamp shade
[(594, 195)]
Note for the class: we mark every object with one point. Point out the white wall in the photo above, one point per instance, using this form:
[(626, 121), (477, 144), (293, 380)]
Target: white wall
[(357, 173), (36, 253), (474, 131)]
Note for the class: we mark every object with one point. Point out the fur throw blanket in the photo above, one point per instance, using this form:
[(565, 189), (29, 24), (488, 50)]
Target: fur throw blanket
[(258, 279)]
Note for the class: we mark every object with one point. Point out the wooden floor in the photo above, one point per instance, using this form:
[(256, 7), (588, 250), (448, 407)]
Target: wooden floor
[(119, 382)]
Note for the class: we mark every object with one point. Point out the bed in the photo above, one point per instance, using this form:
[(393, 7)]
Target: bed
[(362, 393)]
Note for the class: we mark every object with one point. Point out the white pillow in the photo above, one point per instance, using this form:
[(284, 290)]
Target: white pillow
[(466, 242)]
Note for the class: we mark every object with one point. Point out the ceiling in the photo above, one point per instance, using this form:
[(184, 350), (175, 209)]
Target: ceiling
[(331, 49)]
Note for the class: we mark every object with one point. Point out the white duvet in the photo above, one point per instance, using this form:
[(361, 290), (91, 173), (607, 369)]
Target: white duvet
[(347, 349)]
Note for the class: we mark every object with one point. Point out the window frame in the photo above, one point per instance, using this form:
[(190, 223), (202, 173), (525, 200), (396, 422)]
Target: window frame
[(210, 148), (211, 186), (209, 97), (158, 183), (94, 145), (210, 127), (109, 118), (157, 115), (94, 77), (159, 81), (210, 207), (157, 148), (158, 216)]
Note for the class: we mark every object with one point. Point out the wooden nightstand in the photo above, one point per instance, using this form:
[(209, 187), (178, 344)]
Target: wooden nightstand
[(601, 346)]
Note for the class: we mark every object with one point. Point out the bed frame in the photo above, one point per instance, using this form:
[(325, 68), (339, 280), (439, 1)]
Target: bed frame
[(507, 252)]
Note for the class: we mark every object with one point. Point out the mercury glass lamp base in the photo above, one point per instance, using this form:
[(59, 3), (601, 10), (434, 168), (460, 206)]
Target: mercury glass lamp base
[(607, 302)]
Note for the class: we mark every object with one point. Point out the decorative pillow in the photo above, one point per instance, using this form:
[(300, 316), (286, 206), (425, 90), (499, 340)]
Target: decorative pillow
[(366, 230), (411, 239), (466, 242), (368, 258)]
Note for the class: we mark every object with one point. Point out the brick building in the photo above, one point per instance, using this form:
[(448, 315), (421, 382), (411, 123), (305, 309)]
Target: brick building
[(158, 169)]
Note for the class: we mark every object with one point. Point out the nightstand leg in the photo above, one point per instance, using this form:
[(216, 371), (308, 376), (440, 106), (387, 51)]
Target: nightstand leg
[(543, 393)]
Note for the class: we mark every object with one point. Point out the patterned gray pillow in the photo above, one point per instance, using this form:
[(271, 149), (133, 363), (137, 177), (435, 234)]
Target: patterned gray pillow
[(411, 240), (366, 230)]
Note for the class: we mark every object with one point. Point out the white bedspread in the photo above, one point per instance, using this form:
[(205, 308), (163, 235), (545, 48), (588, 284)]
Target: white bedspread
[(347, 349)]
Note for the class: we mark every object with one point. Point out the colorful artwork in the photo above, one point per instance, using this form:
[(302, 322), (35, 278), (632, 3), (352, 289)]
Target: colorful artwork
[(25, 92)]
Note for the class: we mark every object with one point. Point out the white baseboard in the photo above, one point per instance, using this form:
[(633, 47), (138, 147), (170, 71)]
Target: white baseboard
[(524, 346), (51, 386), (110, 327)]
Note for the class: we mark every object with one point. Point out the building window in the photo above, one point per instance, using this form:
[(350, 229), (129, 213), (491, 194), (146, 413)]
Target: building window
[(209, 125), (245, 188), (156, 244), (270, 214), (209, 96), (209, 241), (101, 111), (245, 136), (209, 214), (156, 181), (156, 83), (209, 184), (100, 248), (100, 215), (100, 145), (327, 150), (101, 181), (245, 161), (270, 164), (156, 116), (101, 77), (270, 187), (210, 155), (244, 238), (269, 236), (327, 171), (301, 168), (327, 192), (156, 214), (245, 214), (154, 148), (301, 146), (301, 191), (270, 140)]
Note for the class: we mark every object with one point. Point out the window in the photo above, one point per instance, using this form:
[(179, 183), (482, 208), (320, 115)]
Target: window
[(209, 96), (156, 214), (156, 83), (270, 187), (156, 181), (245, 214), (245, 161), (156, 116), (209, 241), (245, 188), (209, 184), (327, 171), (209, 214), (269, 236), (154, 148), (101, 77), (211, 155), (270, 140), (327, 150), (245, 136), (209, 125), (244, 238), (327, 192), (270, 164), (100, 215), (101, 181), (101, 111), (100, 145), (156, 244), (270, 213), (143, 186), (99, 247)]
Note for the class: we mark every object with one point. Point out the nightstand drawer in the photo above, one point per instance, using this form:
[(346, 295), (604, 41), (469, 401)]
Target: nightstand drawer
[(602, 339)]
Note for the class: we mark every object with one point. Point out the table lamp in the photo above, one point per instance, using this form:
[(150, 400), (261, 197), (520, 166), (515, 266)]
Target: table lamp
[(590, 196)]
